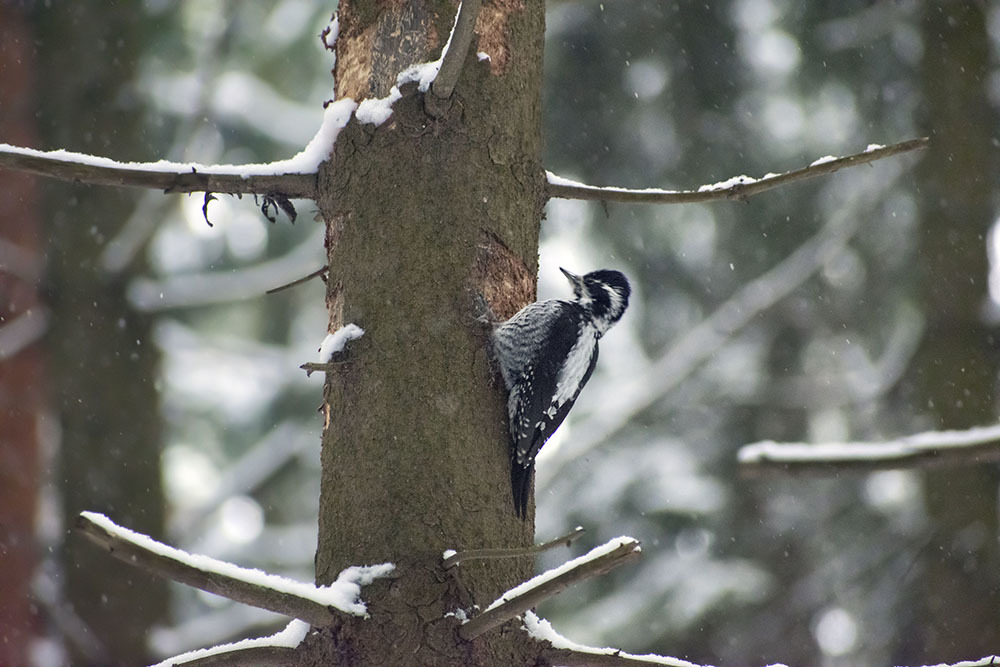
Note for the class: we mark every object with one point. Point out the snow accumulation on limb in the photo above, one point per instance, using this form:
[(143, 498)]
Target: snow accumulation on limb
[(543, 586), (971, 446), (335, 342), (566, 652), (990, 660), (737, 187), (288, 639), (331, 346), (294, 177), (297, 599), (566, 649)]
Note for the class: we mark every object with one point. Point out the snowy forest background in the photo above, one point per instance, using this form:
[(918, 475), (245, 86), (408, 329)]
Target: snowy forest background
[(170, 395)]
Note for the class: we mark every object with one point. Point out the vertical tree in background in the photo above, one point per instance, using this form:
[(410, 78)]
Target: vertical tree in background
[(22, 392), (99, 351), (956, 370)]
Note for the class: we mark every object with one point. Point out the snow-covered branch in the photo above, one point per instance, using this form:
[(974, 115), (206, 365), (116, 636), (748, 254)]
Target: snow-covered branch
[(291, 178), (521, 598), (312, 604), (453, 558), (456, 49), (562, 651), (928, 449), (258, 656), (700, 342), (738, 187), (169, 177), (565, 657), (276, 650)]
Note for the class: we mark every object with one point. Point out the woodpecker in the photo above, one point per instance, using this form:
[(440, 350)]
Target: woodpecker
[(546, 353)]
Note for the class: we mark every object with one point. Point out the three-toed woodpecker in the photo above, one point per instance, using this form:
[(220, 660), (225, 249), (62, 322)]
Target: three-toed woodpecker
[(546, 353)]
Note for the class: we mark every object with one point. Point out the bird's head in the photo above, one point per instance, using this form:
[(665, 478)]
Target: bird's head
[(603, 293)]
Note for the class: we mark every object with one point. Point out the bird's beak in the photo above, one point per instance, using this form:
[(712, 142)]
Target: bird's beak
[(572, 277)]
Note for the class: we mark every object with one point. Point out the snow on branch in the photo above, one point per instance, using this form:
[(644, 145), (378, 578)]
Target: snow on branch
[(928, 449), (455, 50), (567, 653), (701, 342), (295, 177), (271, 651), (167, 176), (982, 662), (738, 187), (563, 651), (452, 558), (312, 604), (523, 597)]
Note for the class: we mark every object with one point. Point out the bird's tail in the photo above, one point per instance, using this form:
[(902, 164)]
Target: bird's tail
[(520, 484)]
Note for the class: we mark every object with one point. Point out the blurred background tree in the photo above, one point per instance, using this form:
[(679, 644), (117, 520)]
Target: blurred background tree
[(857, 306)]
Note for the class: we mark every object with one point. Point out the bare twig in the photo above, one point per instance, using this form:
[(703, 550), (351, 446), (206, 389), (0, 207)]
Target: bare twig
[(259, 656), (289, 185), (923, 450), (200, 289), (486, 554), (736, 190), (228, 587), (500, 614), (458, 48), (311, 367), (318, 272)]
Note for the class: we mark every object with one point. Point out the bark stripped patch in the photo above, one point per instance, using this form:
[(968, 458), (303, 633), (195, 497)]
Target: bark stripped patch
[(502, 277), (491, 26), (354, 64)]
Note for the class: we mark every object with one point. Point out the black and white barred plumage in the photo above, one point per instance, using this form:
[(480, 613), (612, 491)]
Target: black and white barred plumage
[(547, 352)]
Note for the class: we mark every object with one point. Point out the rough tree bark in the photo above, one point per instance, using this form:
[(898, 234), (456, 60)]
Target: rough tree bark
[(422, 212)]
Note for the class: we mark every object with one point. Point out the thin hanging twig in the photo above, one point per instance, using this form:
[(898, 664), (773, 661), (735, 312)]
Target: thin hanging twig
[(487, 554)]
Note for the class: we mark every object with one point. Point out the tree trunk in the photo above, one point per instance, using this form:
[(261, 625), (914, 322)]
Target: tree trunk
[(22, 391), (957, 614), (423, 212), (103, 360)]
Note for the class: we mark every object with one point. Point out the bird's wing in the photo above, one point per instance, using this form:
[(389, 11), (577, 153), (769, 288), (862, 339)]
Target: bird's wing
[(536, 408)]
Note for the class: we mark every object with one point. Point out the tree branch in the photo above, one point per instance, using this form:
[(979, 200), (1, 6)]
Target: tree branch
[(259, 656), (210, 287), (486, 554), (238, 590), (700, 342), (571, 658), (332, 366), (922, 450), (739, 187), (557, 650), (322, 271), (495, 616), (80, 168), (457, 48)]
